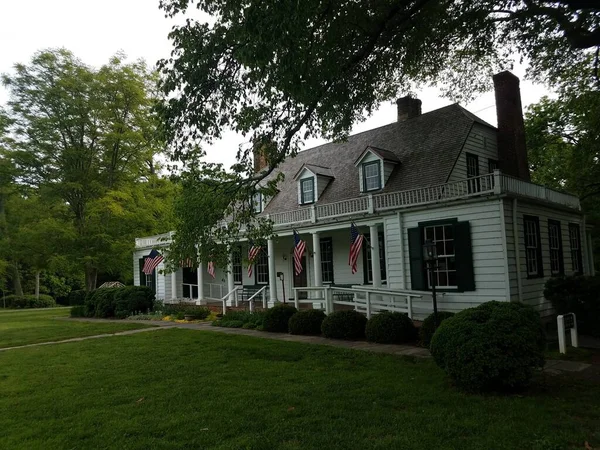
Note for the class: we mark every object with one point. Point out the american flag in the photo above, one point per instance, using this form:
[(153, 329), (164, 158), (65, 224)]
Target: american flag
[(187, 262), (253, 252), (211, 269), (356, 241), (151, 262), (299, 247)]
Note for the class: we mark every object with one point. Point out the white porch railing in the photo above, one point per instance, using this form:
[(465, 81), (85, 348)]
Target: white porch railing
[(213, 290), (154, 241), (488, 184), (364, 299), (262, 293)]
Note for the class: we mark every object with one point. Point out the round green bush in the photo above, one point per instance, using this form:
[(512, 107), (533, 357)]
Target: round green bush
[(307, 322), (131, 299), (390, 328), (29, 301), (78, 311), (276, 318), (344, 325), (495, 346), (428, 327)]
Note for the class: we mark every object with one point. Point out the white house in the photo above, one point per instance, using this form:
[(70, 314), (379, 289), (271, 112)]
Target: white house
[(445, 176)]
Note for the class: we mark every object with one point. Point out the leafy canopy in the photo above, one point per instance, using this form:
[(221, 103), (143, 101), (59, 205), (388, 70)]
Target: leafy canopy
[(281, 72)]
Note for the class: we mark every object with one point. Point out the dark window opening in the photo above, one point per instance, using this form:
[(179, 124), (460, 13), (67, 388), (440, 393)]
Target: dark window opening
[(326, 248)]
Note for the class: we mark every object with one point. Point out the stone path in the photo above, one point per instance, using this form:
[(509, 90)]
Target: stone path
[(552, 367)]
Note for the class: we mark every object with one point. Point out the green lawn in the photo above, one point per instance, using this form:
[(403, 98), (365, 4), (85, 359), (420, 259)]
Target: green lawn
[(188, 389), (20, 327)]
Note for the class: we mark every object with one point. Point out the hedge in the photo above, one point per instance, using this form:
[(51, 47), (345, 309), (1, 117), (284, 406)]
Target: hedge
[(579, 295), (119, 302), (77, 297), (307, 322), (277, 318), (390, 328), (495, 346), (29, 301), (427, 329), (344, 325)]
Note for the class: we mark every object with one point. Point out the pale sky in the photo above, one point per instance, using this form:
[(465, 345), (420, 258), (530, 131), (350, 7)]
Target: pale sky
[(94, 31)]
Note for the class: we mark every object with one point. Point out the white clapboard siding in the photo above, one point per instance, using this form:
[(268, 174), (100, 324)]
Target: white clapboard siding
[(488, 252), (533, 289), (481, 142)]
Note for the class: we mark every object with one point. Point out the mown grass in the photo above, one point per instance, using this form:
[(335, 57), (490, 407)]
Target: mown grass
[(187, 389), (21, 327)]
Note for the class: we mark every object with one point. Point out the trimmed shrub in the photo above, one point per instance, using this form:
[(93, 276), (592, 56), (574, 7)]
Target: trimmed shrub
[(277, 318), (428, 327), (344, 325), (249, 320), (495, 346), (77, 297), (307, 322), (232, 323), (132, 299), (29, 301), (390, 328), (78, 311), (579, 295)]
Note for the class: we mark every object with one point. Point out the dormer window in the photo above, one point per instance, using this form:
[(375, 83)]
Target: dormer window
[(375, 165), (372, 176), (257, 202), (307, 190)]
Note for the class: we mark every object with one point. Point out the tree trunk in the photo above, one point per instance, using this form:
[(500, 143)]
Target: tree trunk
[(16, 278), (91, 278), (37, 284)]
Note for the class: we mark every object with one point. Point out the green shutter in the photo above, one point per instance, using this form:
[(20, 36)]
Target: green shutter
[(142, 274), (464, 256), (417, 265)]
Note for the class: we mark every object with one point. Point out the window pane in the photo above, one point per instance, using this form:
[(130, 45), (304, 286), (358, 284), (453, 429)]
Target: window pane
[(371, 176), (443, 237), (308, 191)]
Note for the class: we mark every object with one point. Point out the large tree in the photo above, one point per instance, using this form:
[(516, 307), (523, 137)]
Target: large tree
[(280, 72), (86, 140)]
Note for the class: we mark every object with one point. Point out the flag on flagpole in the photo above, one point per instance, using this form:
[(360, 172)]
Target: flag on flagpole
[(356, 241), (151, 262), (211, 269), (253, 252), (299, 247)]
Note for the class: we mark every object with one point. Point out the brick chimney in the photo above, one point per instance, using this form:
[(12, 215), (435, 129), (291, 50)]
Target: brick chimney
[(512, 150), (259, 154), (408, 108)]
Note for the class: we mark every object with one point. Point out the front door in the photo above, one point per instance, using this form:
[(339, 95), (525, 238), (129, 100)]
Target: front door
[(301, 279)]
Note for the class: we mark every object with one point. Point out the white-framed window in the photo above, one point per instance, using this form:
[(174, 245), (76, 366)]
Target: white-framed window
[(371, 176), (236, 265), (257, 202), (262, 268), (533, 255), (326, 260), (443, 237), (575, 240), (307, 190), (555, 245)]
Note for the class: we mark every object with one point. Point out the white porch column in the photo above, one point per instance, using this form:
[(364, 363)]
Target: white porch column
[(174, 284), (230, 281), (317, 259), (375, 262), (272, 271), (200, 281)]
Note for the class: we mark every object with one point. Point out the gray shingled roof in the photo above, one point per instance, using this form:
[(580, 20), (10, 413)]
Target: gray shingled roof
[(386, 155), (317, 170), (427, 147)]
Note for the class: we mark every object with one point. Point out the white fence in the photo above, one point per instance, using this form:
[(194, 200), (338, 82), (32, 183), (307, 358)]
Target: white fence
[(364, 299)]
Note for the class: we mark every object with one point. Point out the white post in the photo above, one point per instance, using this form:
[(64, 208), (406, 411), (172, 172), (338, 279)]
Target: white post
[(200, 276), (409, 305), (497, 181), (326, 295), (296, 301), (317, 259), (174, 285), (231, 283), (368, 305), (375, 262), (574, 337), (562, 346), (272, 271), (264, 298)]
